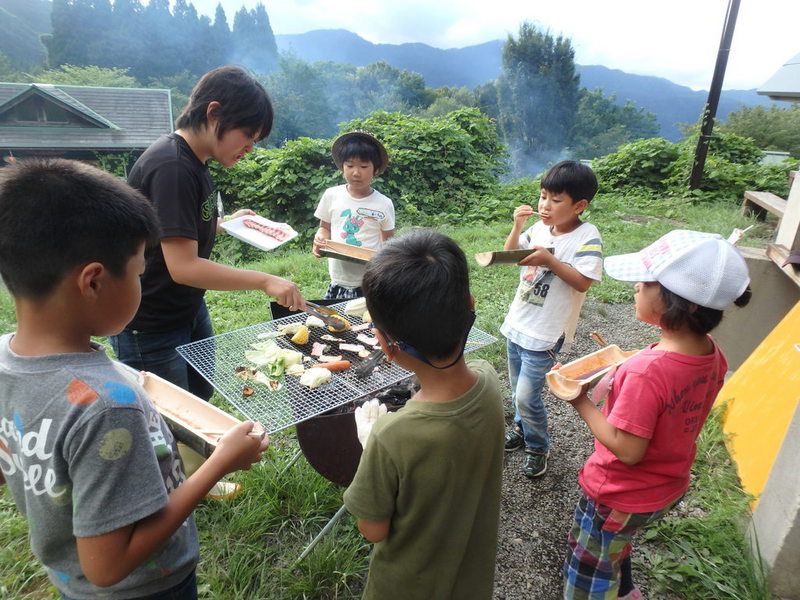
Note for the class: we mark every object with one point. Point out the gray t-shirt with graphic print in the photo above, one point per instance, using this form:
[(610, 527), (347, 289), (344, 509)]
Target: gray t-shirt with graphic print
[(84, 453)]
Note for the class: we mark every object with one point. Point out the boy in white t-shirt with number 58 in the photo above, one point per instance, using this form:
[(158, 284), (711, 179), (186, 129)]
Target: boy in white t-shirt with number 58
[(354, 213), (567, 259)]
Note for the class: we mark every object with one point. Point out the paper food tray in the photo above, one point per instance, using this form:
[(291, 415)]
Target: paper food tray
[(346, 252), (193, 421), (573, 378), (239, 230)]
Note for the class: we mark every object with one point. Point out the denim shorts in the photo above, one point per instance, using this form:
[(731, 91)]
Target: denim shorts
[(155, 352)]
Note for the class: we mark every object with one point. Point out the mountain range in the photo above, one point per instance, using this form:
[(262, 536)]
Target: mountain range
[(470, 66), (23, 21)]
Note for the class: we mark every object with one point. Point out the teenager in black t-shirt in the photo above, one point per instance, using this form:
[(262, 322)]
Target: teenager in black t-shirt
[(227, 114)]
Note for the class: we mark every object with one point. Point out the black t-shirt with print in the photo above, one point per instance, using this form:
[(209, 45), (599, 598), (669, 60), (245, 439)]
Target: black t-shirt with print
[(180, 188)]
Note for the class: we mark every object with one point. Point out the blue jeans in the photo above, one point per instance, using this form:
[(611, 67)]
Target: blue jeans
[(526, 371), (155, 352), (185, 590)]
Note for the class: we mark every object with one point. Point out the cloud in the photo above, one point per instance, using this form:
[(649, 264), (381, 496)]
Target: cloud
[(676, 39)]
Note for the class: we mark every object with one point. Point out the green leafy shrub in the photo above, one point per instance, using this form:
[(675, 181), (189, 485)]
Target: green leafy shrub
[(644, 163), (732, 166)]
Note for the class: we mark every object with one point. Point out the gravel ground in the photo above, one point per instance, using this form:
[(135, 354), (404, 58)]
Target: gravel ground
[(537, 514)]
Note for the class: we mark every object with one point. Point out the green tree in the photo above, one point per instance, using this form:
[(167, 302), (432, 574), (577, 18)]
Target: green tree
[(67, 43), (448, 99), (486, 99), (221, 33), (537, 91), (254, 41), (96, 76), (298, 91), (7, 70), (602, 126), (770, 128)]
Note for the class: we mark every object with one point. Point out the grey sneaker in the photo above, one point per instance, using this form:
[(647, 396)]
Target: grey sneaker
[(535, 462), (514, 439)]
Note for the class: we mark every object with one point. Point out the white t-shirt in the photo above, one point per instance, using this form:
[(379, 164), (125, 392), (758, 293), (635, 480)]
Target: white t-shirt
[(543, 302), (355, 221)]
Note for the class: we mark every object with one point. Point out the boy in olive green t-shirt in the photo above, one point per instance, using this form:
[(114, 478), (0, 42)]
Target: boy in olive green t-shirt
[(427, 490)]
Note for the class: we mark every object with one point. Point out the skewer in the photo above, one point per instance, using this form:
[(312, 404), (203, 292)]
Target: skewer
[(255, 434), (598, 339)]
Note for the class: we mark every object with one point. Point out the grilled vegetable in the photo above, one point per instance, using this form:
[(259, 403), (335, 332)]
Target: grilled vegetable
[(276, 368), (301, 337), (247, 391), (313, 321), (315, 377), (355, 307)]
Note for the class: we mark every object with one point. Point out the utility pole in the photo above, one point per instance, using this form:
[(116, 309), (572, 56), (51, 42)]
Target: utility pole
[(712, 103)]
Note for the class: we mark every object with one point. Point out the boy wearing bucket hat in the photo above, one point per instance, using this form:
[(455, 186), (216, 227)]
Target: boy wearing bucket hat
[(655, 405), (354, 213)]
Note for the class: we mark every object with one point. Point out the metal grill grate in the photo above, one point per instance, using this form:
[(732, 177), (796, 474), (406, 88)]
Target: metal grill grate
[(216, 359)]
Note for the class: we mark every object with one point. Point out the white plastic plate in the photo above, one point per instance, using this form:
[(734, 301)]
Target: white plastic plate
[(237, 229)]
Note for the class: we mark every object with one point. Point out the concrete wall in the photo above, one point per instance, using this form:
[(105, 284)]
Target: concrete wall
[(774, 295), (775, 528)]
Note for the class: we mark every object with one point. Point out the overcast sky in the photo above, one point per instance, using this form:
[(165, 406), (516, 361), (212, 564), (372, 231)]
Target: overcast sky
[(676, 39)]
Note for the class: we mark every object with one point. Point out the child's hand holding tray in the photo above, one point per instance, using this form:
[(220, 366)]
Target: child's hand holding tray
[(574, 378)]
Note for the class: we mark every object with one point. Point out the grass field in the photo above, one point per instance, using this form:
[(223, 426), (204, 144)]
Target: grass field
[(249, 545)]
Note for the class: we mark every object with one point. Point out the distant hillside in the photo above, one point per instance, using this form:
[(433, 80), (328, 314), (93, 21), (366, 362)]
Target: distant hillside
[(672, 104), (468, 66), (21, 24)]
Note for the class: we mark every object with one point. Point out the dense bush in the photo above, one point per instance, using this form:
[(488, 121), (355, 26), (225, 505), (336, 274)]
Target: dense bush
[(437, 166), (732, 166), (644, 163)]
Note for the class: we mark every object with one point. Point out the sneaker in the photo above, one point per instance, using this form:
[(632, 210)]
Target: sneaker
[(634, 594), (514, 439), (535, 462), (224, 490)]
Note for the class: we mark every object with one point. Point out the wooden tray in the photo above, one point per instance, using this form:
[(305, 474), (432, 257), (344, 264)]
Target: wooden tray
[(573, 378), (501, 257), (196, 423), (346, 252)]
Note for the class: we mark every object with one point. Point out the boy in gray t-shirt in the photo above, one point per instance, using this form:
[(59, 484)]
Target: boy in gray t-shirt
[(87, 458)]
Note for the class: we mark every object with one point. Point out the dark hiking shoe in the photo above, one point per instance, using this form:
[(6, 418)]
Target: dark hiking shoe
[(535, 462), (514, 439)]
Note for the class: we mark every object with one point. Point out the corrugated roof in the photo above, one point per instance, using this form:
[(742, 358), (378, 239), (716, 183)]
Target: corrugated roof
[(131, 118), (785, 83)]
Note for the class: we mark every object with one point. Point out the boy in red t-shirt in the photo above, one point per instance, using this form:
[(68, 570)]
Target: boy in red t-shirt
[(655, 405)]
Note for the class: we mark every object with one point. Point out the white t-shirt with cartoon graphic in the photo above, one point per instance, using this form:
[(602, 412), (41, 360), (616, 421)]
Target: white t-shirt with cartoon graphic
[(355, 221), (543, 302)]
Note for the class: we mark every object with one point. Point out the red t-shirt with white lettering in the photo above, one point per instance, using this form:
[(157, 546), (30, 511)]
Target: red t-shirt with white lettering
[(664, 397)]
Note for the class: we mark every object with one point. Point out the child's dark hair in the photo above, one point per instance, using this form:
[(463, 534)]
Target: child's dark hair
[(417, 291), (244, 103), (58, 214), (699, 319), (572, 177), (359, 148)]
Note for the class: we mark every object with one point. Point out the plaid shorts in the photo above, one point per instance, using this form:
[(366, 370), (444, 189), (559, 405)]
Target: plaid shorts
[(339, 292), (600, 539)]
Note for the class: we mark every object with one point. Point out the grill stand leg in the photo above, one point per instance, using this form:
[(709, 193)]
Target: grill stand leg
[(291, 462), (325, 530)]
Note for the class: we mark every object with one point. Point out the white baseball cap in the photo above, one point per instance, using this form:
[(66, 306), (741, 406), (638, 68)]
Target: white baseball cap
[(702, 268)]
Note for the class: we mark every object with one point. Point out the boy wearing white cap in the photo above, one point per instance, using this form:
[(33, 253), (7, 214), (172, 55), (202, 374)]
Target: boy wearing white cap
[(655, 405), (354, 213)]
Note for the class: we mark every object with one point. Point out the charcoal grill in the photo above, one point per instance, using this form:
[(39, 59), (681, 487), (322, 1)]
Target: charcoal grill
[(217, 357), (326, 430)]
